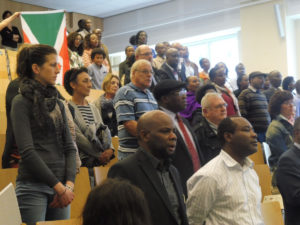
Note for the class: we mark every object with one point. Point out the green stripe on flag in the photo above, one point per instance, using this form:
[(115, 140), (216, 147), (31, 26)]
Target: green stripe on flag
[(44, 26)]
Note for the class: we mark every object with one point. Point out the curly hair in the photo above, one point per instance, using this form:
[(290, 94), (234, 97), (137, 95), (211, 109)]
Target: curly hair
[(70, 76), (71, 39), (277, 100)]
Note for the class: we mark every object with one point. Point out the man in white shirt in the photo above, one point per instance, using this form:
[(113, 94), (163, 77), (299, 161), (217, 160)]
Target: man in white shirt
[(226, 190)]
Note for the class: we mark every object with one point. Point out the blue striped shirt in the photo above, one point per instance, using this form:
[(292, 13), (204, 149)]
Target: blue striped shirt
[(131, 103)]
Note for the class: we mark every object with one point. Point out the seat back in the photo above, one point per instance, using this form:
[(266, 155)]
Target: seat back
[(82, 189), (8, 176), (4, 65), (258, 157), (267, 152), (9, 208), (74, 221), (265, 179), (271, 213), (100, 173), (12, 56)]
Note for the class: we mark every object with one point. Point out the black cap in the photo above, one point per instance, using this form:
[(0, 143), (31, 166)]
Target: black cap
[(164, 87), (256, 74)]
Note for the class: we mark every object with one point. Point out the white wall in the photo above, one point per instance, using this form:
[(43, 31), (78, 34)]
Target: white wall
[(170, 21)]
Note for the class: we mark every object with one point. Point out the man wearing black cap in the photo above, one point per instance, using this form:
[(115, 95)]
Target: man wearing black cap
[(171, 98), (254, 106)]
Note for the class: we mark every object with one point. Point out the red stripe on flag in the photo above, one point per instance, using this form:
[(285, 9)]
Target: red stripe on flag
[(65, 55), (26, 39)]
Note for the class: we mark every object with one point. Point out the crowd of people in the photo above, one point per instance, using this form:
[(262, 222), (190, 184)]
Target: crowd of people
[(184, 134)]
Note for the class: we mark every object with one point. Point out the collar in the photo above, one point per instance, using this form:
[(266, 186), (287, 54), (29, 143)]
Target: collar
[(283, 117), (297, 145), (157, 164), (252, 88), (171, 68), (137, 88), (213, 126), (170, 113), (230, 162)]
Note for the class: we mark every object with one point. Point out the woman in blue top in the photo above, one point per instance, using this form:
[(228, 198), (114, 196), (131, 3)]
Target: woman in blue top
[(47, 167)]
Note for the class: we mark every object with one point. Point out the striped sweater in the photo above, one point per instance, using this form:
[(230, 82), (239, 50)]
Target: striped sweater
[(254, 107)]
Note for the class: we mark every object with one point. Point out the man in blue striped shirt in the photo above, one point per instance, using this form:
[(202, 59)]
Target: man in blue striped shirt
[(132, 101)]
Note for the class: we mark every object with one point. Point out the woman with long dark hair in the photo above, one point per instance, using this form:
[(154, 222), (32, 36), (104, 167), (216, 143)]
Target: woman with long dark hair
[(47, 170)]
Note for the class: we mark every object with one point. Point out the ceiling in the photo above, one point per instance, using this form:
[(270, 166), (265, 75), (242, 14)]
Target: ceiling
[(98, 8)]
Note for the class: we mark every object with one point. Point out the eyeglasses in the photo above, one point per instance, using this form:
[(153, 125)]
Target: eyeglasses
[(220, 106), (146, 72)]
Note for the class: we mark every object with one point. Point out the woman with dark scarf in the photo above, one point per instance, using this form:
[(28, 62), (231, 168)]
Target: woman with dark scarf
[(47, 168)]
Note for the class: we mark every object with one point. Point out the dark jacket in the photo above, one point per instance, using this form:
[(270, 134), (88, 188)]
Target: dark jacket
[(288, 182), (139, 170), (207, 140), (10, 143), (166, 73)]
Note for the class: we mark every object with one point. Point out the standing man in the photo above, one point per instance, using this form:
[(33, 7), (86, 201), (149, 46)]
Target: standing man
[(151, 171), (84, 27), (206, 131), (226, 190), (275, 79), (205, 65), (123, 66), (145, 52), (288, 179), (130, 102), (254, 105), (169, 69), (160, 49), (171, 98)]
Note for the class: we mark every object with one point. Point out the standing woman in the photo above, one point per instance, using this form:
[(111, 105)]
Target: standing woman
[(74, 41), (46, 174), (218, 76), (90, 42), (93, 138), (104, 103)]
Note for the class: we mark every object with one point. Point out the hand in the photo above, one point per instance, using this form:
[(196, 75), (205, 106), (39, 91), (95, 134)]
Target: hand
[(15, 37), (55, 203), (66, 198), (106, 155)]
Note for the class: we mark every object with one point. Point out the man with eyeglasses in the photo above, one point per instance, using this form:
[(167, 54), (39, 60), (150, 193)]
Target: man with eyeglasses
[(130, 102), (213, 112), (171, 98), (169, 69), (145, 52)]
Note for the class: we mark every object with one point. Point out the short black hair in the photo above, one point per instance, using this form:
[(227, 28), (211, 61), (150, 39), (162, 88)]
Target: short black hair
[(201, 61), (286, 82), (70, 76), (98, 51), (5, 13), (202, 91), (212, 73), (227, 125), (239, 79)]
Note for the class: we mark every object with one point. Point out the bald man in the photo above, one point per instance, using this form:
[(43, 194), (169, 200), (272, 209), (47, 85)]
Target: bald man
[(170, 69), (150, 169)]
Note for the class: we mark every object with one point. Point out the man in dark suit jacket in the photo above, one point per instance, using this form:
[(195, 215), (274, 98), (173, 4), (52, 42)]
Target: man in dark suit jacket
[(288, 179), (169, 69), (150, 169), (171, 98)]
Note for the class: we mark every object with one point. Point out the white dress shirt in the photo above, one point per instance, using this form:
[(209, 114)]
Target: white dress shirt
[(224, 192)]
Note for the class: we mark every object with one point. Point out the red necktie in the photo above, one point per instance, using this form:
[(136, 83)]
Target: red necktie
[(191, 147)]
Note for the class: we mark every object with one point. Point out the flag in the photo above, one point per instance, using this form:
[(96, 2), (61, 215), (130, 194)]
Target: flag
[(48, 27)]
